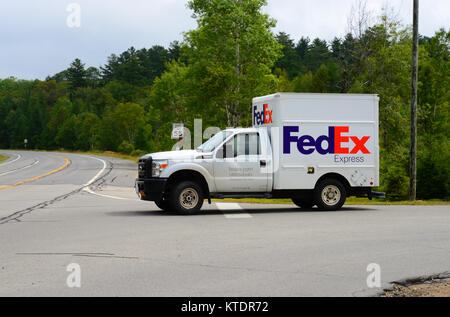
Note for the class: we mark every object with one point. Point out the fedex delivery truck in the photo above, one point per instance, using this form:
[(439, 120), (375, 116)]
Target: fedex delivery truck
[(316, 149)]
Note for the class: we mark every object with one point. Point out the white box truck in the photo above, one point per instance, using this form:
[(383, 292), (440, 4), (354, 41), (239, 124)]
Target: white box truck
[(316, 149)]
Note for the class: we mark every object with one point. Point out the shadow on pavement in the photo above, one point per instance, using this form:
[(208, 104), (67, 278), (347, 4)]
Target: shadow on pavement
[(252, 211)]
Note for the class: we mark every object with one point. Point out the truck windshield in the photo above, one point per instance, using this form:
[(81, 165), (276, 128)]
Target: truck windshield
[(214, 142)]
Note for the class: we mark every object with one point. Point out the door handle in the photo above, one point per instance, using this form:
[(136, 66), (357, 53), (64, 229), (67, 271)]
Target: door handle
[(263, 163)]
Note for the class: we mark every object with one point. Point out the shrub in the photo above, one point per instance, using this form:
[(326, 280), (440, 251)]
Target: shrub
[(138, 153), (125, 147)]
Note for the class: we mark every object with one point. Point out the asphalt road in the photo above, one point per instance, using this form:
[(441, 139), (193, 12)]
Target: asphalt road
[(53, 214)]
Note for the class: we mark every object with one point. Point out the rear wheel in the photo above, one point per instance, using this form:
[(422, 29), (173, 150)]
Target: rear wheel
[(187, 198), (330, 194), (303, 202)]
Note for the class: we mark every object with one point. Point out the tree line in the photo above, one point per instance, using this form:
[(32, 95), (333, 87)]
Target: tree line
[(129, 104)]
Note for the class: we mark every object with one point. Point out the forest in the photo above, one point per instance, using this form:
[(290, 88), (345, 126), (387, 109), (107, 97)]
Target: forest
[(128, 105)]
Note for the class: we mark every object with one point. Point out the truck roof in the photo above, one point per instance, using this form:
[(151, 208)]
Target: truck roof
[(292, 95), (242, 130)]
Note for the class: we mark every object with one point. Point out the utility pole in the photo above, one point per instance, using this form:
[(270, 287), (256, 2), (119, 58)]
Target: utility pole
[(415, 69)]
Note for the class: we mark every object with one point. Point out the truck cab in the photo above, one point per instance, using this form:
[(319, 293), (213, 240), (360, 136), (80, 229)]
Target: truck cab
[(316, 149), (235, 163)]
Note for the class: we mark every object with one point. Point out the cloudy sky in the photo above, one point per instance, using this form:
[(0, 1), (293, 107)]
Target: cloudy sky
[(35, 40)]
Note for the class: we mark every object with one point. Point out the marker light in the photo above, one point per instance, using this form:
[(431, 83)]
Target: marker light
[(158, 167)]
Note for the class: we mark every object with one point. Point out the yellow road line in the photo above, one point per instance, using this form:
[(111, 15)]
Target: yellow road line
[(67, 163)]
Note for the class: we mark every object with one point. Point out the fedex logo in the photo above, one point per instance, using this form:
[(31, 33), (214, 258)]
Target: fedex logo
[(306, 144), (262, 117)]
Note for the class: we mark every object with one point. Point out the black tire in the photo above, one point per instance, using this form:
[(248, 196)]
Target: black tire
[(163, 204), (186, 198), (330, 195), (303, 202)]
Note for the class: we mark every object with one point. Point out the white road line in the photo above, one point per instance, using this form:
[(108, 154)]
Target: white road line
[(20, 169), (99, 173), (6, 163), (87, 189), (230, 207)]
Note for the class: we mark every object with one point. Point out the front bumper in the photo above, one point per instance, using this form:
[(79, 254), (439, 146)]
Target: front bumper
[(151, 189)]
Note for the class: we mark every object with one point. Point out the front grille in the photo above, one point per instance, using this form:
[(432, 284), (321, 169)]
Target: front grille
[(145, 168)]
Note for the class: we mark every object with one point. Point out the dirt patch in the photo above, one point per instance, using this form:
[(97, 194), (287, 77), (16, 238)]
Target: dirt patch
[(420, 290), (437, 285)]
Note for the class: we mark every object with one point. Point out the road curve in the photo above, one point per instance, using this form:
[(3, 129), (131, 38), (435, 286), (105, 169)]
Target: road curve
[(87, 213)]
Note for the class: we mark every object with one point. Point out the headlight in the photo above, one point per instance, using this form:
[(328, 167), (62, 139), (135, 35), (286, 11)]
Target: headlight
[(158, 167)]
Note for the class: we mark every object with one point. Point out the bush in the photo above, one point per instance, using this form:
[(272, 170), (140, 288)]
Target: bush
[(125, 147), (396, 183), (433, 179), (138, 153)]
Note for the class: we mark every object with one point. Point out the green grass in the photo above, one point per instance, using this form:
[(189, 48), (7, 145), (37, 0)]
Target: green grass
[(350, 201), (107, 154), (3, 158)]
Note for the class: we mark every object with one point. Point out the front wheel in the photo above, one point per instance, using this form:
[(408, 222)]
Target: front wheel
[(330, 194), (163, 204), (187, 198)]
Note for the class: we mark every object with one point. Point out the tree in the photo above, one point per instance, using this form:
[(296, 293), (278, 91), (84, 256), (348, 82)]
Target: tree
[(139, 67), (359, 19), (66, 136), (76, 74), (321, 80), (433, 124), (16, 124), (88, 129), (347, 58), (303, 83), (174, 51), (231, 54), (92, 77), (318, 54), (58, 115), (302, 47), (128, 119), (173, 99), (289, 60), (386, 73)]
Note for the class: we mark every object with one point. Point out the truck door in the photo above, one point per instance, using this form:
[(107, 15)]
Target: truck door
[(239, 165)]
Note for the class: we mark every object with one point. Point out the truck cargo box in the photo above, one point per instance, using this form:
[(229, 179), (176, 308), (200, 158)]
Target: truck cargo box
[(317, 134)]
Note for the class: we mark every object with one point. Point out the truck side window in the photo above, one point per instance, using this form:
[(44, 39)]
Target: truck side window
[(243, 144), (253, 144), (240, 144)]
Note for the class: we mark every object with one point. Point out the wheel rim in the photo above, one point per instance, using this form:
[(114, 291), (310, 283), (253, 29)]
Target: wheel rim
[(189, 198), (331, 195)]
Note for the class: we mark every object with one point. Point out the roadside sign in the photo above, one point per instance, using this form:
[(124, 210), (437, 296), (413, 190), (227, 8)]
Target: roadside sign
[(177, 131)]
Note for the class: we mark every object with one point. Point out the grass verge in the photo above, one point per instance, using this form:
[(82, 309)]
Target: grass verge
[(97, 153), (3, 158), (350, 201), (108, 154)]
